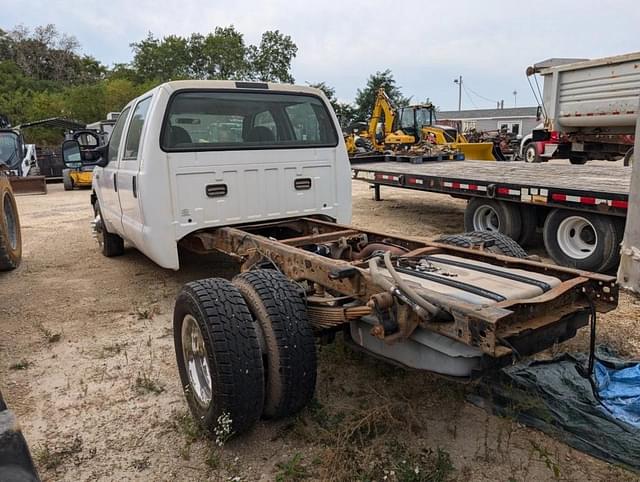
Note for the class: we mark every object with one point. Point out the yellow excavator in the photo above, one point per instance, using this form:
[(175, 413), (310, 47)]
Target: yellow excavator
[(413, 129)]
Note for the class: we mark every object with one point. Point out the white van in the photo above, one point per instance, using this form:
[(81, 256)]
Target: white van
[(190, 155)]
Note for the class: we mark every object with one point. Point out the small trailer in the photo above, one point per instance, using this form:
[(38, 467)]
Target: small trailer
[(259, 172), (581, 209)]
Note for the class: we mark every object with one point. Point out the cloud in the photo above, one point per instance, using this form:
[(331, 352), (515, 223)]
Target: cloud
[(425, 44)]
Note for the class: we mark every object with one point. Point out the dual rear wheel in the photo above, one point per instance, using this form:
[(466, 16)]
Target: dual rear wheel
[(245, 350)]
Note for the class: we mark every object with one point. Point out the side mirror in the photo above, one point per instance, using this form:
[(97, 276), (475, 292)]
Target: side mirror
[(73, 156), (539, 113)]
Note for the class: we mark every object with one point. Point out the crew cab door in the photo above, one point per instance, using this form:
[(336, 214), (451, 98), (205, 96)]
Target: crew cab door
[(106, 179), (128, 170)]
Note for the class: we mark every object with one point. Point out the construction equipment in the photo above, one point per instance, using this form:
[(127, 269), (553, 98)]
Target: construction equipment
[(76, 173), (413, 130), (20, 160)]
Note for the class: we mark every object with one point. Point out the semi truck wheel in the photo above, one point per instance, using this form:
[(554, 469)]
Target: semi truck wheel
[(67, 182), (289, 346), (582, 240), (494, 242), (489, 215), (219, 357), (531, 153), (110, 244), (10, 236)]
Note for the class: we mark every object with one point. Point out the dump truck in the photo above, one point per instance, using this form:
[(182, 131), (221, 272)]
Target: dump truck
[(589, 107), (259, 172)]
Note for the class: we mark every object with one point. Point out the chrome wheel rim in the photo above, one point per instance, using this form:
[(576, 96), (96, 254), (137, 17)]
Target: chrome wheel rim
[(196, 362), (10, 219), (577, 237), (486, 219)]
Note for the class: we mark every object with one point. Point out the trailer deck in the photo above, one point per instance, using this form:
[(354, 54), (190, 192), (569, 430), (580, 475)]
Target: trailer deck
[(588, 188)]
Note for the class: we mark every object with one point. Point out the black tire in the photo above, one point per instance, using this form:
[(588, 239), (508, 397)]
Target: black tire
[(505, 215), (67, 181), (628, 157), (601, 236), (364, 143), (10, 235), (110, 244), (232, 352), (530, 153), (529, 229), (496, 243), (290, 354), (578, 159)]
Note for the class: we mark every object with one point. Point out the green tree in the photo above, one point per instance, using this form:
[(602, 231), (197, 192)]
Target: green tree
[(366, 98), (344, 110), (271, 61)]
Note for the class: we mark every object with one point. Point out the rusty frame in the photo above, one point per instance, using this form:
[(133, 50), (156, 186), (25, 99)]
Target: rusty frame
[(487, 327)]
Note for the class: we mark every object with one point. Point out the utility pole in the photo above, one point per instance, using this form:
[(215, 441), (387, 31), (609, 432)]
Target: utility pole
[(515, 98), (459, 82)]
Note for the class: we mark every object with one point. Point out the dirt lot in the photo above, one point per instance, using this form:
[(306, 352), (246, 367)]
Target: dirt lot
[(87, 363)]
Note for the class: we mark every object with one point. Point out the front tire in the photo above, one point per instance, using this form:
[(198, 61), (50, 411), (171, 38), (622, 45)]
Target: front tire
[(218, 355), (67, 181), (10, 235), (578, 159), (290, 354), (110, 244), (583, 240), (531, 154)]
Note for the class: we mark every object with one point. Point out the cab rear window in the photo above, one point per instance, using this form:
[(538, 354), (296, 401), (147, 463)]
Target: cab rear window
[(215, 120)]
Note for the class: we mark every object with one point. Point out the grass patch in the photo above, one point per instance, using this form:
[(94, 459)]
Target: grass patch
[(145, 384), (20, 365), (292, 471), (51, 458)]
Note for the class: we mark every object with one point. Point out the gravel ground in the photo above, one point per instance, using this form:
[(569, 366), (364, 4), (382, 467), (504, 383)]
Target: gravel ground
[(87, 362)]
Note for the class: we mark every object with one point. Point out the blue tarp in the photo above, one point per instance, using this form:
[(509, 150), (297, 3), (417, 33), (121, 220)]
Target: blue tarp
[(619, 391), (555, 398)]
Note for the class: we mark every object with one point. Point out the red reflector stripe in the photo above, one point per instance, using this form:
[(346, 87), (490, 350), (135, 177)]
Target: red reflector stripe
[(587, 200), (620, 204), (473, 187), (503, 190), (559, 197)]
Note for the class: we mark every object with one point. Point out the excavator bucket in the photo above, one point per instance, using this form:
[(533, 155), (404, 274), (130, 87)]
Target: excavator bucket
[(476, 151), (28, 184)]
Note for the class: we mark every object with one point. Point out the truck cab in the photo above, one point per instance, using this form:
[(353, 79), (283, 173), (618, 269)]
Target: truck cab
[(194, 155)]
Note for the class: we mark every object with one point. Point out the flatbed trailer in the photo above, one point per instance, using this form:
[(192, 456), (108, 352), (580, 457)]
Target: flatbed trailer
[(580, 208)]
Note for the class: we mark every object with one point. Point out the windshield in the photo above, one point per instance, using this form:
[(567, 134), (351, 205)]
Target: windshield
[(411, 117), (210, 120), (9, 149)]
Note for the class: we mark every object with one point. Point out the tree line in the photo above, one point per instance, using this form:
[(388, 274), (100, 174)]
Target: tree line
[(43, 73)]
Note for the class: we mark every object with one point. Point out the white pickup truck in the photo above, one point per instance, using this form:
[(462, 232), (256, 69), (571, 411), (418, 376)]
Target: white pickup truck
[(259, 171)]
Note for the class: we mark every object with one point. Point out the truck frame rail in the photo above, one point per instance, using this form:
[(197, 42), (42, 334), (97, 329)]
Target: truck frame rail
[(333, 265)]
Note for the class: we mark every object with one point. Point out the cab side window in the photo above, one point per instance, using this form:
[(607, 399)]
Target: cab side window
[(116, 135), (132, 145)]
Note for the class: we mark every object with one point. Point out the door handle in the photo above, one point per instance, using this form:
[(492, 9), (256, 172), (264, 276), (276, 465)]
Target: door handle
[(134, 187), (115, 181)]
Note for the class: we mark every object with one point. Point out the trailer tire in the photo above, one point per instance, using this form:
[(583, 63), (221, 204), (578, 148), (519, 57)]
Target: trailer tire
[(529, 220), (580, 240), (220, 365), (289, 346), (490, 215), (500, 244), (110, 244), (10, 235), (530, 153), (67, 181)]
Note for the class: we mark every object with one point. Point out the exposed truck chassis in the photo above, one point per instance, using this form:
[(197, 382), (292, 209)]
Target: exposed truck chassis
[(342, 285)]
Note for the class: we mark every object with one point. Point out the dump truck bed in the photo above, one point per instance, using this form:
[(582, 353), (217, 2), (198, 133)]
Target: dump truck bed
[(589, 188)]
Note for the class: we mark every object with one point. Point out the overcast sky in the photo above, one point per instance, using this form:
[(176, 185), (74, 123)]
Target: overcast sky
[(425, 44)]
